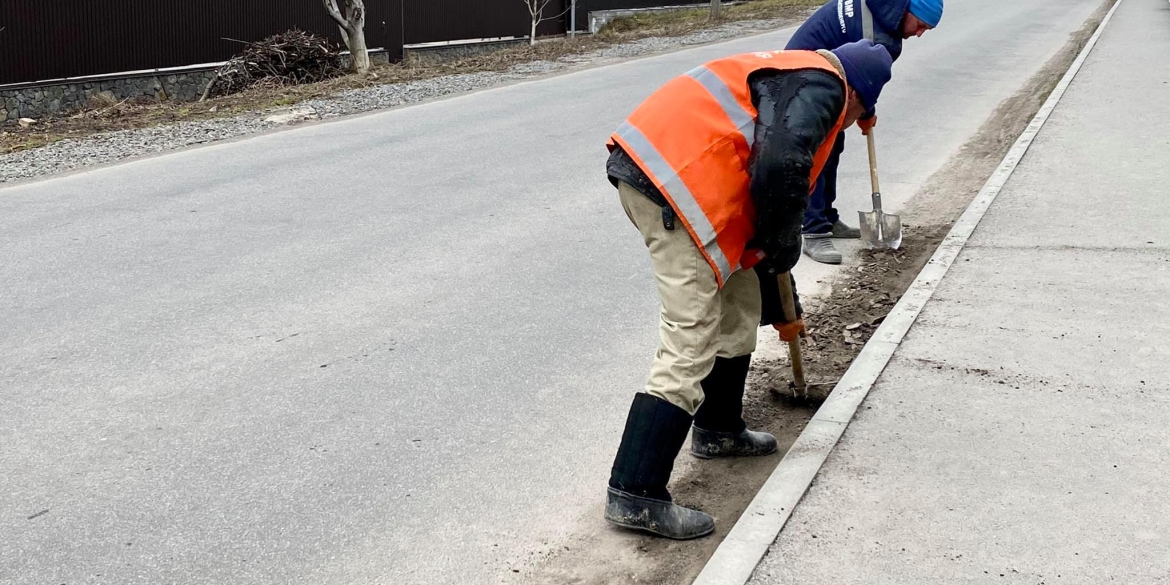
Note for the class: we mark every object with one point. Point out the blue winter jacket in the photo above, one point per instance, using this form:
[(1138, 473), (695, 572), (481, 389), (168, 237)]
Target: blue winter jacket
[(839, 23)]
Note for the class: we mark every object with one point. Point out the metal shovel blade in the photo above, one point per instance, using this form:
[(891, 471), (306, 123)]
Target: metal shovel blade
[(880, 229)]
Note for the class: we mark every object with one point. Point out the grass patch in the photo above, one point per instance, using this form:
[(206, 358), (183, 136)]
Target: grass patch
[(146, 113)]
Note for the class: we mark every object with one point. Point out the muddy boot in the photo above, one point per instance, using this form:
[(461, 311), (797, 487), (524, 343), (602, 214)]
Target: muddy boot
[(820, 248), (844, 232), (719, 428), (637, 496)]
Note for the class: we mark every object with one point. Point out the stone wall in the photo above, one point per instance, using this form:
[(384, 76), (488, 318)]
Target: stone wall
[(34, 101), (431, 54), (31, 100), (599, 18)]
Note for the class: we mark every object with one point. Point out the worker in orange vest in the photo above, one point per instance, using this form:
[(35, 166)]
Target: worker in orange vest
[(715, 169)]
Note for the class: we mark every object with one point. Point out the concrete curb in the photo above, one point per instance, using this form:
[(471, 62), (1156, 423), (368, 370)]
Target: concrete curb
[(745, 546)]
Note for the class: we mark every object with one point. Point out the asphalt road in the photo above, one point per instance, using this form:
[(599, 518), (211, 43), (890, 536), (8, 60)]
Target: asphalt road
[(394, 348)]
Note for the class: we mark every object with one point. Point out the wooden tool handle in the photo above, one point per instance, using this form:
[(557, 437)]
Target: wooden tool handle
[(873, 174), (788, 301)]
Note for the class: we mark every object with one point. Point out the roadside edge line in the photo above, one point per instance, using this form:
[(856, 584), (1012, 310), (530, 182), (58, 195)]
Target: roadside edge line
[(737, 557)]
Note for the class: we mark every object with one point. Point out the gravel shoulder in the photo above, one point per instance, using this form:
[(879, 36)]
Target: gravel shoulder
[(110, 147)]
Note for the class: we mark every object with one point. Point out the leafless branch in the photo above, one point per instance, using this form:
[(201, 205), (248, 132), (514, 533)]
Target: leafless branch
[(536, 7), (335, 14), (564, 12), (536, 10)]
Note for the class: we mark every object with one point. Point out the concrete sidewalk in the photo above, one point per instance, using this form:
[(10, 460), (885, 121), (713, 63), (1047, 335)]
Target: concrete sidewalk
[(1020, 432)]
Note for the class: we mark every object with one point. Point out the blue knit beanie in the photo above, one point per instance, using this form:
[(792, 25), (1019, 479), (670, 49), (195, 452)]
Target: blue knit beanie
[(928, 11), (867, 69)]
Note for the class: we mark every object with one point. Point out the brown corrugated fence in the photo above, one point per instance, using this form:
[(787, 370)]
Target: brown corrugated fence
[(43, 40), (71, 38), (429, 21)]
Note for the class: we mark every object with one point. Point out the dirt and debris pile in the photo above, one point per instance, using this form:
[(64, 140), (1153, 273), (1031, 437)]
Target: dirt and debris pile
[(840, 324), (291, 58)]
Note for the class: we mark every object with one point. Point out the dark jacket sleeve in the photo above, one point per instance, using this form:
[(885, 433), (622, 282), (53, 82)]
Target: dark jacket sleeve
[(797, 111), (887, 21), (838, 23), (887, 24)]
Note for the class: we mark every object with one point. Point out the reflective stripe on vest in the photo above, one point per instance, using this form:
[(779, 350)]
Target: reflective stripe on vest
[(693, 139), (654, 165), (743, 119)]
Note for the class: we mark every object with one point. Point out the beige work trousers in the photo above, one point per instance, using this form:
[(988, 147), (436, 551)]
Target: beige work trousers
[(699, 320)]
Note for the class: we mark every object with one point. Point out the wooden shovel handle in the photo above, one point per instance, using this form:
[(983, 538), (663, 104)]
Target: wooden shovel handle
[(873, 174), (788, 301)]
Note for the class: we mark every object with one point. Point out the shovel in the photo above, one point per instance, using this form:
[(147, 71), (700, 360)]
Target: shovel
[(879, 229)]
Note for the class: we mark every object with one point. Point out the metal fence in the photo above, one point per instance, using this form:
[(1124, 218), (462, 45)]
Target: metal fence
[(44, 40), (71, 38)]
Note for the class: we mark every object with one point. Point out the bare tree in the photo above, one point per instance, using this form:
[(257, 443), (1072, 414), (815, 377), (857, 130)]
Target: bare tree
[(353, 30), (536, 10), (715, 6)]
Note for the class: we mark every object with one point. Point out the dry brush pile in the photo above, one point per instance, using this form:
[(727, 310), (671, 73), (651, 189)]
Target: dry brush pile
[(291, 58)]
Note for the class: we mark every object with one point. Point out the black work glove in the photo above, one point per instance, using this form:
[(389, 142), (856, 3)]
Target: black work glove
[(772, 310), (778, 235)]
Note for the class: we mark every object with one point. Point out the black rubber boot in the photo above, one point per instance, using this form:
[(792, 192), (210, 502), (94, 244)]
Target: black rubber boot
[(719, 427), (637, 497)]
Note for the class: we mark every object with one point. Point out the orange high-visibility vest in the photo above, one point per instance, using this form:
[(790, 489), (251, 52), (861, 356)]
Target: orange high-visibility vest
[(693, 138)]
